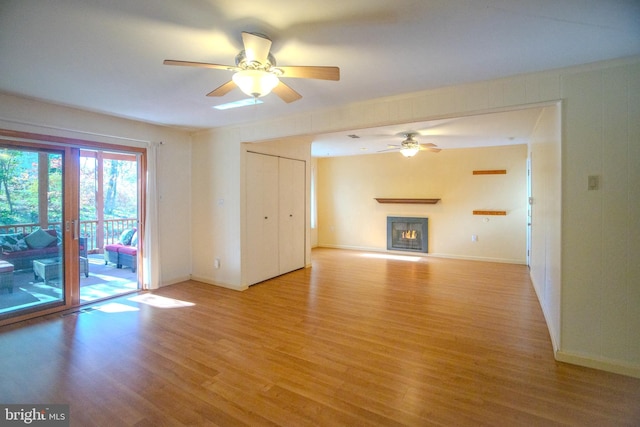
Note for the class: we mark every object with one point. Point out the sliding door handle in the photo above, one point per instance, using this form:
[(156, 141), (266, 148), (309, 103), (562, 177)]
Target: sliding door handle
[(76, 228)]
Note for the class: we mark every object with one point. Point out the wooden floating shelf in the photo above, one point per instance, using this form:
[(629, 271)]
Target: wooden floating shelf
[(491, 172), (489, 212), (411, 201)]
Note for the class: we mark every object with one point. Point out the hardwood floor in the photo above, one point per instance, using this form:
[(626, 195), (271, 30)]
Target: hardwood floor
[(358, 339)]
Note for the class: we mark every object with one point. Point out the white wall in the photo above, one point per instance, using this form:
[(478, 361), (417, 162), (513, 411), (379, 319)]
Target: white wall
[(215, 214), (600, 295), (601, 228), (349, 217), (314, 230), (174, 165)]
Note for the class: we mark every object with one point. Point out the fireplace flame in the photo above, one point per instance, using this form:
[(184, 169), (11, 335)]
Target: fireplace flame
[(409, 234)]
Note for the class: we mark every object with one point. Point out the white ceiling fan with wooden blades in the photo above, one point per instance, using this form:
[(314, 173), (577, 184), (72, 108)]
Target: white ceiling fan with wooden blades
[(256, 73), (409, 147)]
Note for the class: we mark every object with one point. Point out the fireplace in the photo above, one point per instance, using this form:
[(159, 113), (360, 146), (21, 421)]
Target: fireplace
[(407, 234)]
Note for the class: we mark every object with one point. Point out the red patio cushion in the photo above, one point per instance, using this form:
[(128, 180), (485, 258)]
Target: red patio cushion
[(113, 248), (128, 250)]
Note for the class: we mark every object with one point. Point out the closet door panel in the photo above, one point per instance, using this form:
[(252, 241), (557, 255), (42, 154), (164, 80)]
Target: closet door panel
[(292, 214), (262, 217)]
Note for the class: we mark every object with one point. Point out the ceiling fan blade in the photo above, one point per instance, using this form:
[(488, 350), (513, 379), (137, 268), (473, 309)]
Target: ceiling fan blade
[(256, 47), (286, 93), (223, 90), (388, 149), (200, 64), (428, 144), (311, 72), (433, 150)]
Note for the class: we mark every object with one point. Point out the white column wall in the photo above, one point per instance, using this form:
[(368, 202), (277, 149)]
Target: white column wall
[(601, 228), (545, 154)]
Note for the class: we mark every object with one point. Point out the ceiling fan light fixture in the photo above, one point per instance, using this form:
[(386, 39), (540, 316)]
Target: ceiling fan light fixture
[(255, 83), (409, 151)]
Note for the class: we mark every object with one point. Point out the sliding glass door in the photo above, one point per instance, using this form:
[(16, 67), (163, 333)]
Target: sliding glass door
[(69, 224)]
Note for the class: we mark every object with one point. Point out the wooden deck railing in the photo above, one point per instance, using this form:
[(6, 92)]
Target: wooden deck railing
[(23, 228), (111, 230), (96, 239)]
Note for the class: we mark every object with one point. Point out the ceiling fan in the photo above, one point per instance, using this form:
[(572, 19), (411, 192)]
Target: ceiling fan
[(410, 146), (256, 73)]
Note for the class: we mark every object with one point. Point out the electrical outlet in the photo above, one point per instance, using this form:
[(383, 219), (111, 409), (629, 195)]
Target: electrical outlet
[(474, 237), (216, 263)]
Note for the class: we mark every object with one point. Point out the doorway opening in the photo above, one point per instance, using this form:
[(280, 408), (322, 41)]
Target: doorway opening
[(109, 213)]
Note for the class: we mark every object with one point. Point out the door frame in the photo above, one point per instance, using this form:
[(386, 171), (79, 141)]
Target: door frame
[(70, 149), (529, 209)]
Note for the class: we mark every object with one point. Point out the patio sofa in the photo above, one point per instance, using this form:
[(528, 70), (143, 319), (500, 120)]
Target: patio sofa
[(125, 252), (21, 249)]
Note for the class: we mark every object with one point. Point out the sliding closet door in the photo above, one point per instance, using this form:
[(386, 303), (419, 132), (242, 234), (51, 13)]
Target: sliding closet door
[(262, 217), (275, 215)]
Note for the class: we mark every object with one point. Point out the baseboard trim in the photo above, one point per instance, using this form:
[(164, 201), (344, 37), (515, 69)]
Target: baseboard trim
[(220, 284), (554, 340), (434, 255), (174, 281), (483, 259), (613, 366)]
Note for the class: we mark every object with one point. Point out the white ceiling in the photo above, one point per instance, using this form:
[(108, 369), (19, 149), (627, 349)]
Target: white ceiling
[(106, 55), (485, 130)]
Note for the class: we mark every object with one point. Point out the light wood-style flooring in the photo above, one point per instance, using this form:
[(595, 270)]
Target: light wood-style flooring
[(357, 340)]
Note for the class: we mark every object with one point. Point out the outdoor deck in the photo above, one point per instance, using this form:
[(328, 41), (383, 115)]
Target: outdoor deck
[(104, 281)]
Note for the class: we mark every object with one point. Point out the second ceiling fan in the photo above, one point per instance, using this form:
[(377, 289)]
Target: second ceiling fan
[(410, 146), (256, 73)]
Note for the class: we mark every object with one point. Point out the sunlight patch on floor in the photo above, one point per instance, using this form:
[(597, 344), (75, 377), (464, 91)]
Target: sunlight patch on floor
[(393, 257), (116, 307), (160, 302), (105, 290), (106, 277)]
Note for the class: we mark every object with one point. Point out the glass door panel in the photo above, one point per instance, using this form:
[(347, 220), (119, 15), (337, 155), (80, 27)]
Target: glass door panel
[(32, 268), (109, 212)]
